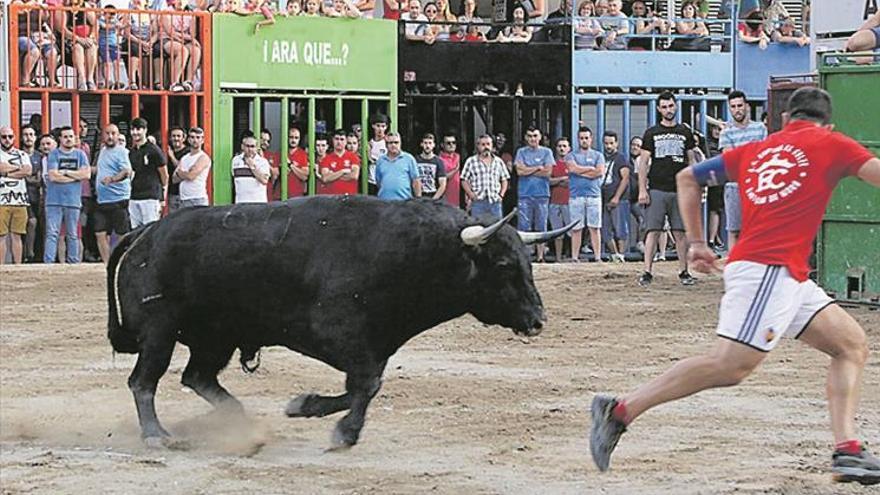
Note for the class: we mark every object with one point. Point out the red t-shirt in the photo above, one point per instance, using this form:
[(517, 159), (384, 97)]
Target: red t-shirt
[(336, 163), (559, 192), (295, 187), (273, 188), (785, 183)]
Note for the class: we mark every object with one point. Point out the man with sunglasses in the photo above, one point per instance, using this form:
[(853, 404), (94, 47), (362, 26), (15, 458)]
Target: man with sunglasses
[(15, 167), (452, 164)]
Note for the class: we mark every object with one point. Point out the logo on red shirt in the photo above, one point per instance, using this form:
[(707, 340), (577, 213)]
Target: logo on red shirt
[(775, 174)]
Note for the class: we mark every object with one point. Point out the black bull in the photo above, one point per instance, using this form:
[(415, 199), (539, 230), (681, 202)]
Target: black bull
[(345, 280)]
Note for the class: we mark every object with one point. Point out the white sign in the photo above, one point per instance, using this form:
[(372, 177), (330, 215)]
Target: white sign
[(840, 16), (307, 53)]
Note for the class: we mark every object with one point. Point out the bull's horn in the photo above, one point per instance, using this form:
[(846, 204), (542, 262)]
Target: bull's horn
[(542, 237), (477, 234)]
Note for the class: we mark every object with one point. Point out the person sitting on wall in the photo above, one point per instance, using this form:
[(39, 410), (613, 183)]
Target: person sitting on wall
[(261, 6), (518, 31), (586, 27), (313, 9), (788, 32), (293, 9), (867, 37), (646, 21), (36, 40), (415, 23), (344, 8)]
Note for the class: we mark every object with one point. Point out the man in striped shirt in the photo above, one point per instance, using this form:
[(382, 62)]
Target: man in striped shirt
[(739, 131)]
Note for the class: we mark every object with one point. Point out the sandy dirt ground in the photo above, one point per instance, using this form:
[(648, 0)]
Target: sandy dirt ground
[(465, 408)]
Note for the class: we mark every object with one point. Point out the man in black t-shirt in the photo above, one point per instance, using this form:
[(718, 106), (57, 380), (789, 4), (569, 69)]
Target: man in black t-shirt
[(432, 171), (615, 197), (150, 176), (667, 148), (177, 149)]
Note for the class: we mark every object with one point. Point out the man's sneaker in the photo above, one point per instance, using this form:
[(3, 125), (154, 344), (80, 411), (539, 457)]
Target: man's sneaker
[(618, 258), (645, 279), (862, 468), (686, 279), (605, 431)]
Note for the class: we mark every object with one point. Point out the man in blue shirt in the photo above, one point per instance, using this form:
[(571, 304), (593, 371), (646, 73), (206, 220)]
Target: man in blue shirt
[(586, 169), (66, 166), (534, 166), (113, 184), (397, 173)]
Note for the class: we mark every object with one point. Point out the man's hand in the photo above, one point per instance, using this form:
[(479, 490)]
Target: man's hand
[(644, 198), (107, 181), (613, 202), (703, 259)]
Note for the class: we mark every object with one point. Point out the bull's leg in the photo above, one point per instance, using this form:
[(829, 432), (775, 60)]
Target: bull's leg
[(152, 362), (362, 385), (317, 406), (200, 375)]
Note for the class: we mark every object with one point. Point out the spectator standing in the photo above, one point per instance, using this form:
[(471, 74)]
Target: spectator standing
[(33, 184), (352, 142), (321, 148), (379, 126), (558, 214), (616, 26), (274, 159), (397, 172), (176, 150), (150, 176), (109, 27), (615, 197), (340, 169), (37, 198), (251, 173), (559, 23), (586, 168), (452, 165), (741, 130), (66, 167), (431, 169), (113, 188), (637, 211), (534, 166), (714, 194), (667, 148), (192, 171), (484, 180), (15, 167), (297, 165)]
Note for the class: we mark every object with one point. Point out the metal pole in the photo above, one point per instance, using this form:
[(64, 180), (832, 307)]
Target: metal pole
[(283, 165), (312, 165)]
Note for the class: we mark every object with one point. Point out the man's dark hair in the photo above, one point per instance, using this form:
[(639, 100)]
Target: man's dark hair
[(666, 96), (484, 136), (533, 128), (320, 136), (737, 94), (247, 133), (610, 134), (428, 135), (378, 118), (811, 104), (351, 135), (198, 130), (44, 136), (561, 139), (584, 128), (176, 128), (64, 128), (138, 123), (633, 139), (339, 132), (266, 131)]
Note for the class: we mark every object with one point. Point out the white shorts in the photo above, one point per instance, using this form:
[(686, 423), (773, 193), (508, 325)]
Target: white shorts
[(586, 210), (143, 211), (762, 303)]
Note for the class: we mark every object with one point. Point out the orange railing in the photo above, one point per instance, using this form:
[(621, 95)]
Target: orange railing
[(110, 51)]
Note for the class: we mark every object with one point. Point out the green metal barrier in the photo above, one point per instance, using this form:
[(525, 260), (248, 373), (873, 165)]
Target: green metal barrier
[(848, 248), (319, 63)]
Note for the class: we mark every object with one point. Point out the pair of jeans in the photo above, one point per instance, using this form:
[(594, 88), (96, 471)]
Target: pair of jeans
[(55, 215), (483, 208)]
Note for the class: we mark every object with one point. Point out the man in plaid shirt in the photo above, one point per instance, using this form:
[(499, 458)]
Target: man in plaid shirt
[(484, 179)]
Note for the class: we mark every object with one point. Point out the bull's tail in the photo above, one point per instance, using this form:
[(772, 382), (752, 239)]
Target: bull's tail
[(121, 340)]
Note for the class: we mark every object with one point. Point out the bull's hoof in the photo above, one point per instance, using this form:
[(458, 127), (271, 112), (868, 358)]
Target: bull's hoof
[(301, 406), (167, 443), (343, 439)]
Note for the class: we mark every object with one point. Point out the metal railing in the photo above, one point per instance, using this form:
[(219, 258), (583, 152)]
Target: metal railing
[(551, 31), (592, 33), (89, 49)]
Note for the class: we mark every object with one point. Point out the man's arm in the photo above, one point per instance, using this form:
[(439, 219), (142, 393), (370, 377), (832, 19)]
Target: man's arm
[(194, 172), (468, 192), (624, 181), (417, 187), (870, 172), (17, 171), (121, 176), (643, 164), (355, 173), (301, 173), (441, 188), (523, 170), (163, 175), (504, 184), (327, 176), (588, 172), (690, 182)]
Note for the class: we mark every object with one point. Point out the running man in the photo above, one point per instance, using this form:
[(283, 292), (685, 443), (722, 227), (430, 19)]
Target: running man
[(785, 184)]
